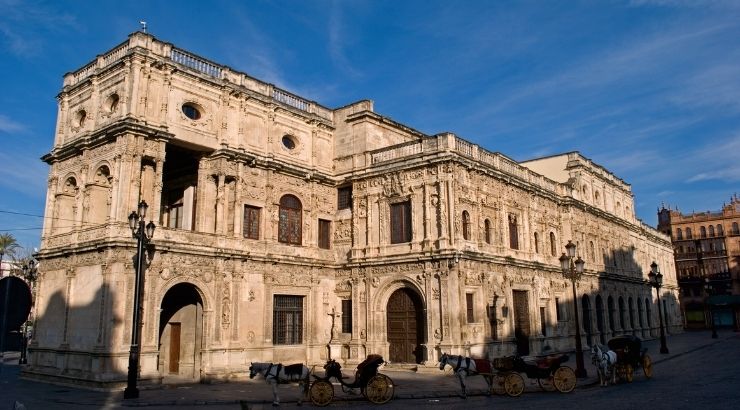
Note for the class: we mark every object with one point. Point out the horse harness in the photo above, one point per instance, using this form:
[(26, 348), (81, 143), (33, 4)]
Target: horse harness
[(458, 366), (290, 371)]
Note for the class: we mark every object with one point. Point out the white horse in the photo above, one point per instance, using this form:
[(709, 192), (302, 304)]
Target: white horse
[(464, 367), (276, 373), (604, 360)]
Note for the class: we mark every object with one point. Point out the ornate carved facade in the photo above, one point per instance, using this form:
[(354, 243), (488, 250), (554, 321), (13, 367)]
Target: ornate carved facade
[(287, 231)]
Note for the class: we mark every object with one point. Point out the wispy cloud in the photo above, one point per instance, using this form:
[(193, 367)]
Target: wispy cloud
[(338, 38), (25, 23), (719, 161), (23, 173), (7, 125)]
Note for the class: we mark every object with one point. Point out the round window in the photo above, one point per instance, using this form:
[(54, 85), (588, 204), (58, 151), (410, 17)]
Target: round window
[(288, 142), (191, 111)]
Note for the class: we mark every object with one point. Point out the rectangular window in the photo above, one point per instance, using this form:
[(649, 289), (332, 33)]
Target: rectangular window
[(251, 222), (344, 197), (401, 222), (492, 318), (324, 230), (469, 307), (174, 208), (513, 232), (558, 310), (543, 321), (287, 320), (347, 316)]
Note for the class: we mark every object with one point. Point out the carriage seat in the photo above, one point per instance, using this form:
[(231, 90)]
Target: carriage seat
[(293, 369), (482, 366), (544, 362), (370, 365)]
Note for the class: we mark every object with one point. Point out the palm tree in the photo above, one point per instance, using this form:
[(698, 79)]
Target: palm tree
[(8, 246)]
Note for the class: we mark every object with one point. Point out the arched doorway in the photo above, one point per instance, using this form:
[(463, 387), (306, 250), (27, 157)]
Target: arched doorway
[(405, 327), (180, 333), (600, 319), (586, 308)]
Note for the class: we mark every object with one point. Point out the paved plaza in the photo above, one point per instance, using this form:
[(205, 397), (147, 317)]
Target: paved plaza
[(430, 383)]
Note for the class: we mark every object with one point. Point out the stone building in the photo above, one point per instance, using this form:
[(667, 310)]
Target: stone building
[(707, 252), (291, 232)]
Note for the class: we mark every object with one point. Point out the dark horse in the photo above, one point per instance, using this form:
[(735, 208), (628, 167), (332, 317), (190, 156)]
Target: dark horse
[(275, 373)]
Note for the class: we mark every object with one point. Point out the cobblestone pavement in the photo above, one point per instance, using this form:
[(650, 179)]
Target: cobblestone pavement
[(428, 383)]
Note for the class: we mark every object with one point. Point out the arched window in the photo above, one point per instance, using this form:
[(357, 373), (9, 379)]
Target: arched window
[(289, 225), (639, 313), (591, 251), (631, 305), (487, 229), (513, 232), (735, 229), (600, 319), (688, 233), (536, 243), (679, 233), (466, 225), (621, 313), (553, 245), (720, 231), (703, 232), (711, 231), (586, 308), (610, 308), (647, 312)]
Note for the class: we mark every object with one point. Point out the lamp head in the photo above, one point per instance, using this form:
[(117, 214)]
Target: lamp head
[(580, 263), (571, 248), (564, 263), (150, 229), (132, 219), (142, 209)]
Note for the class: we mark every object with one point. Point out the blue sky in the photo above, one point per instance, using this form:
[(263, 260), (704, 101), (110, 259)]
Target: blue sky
[(648, 89)]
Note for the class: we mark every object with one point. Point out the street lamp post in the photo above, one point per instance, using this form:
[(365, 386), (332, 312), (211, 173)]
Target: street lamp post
[(573, 270), (143, 234), (30, 272), (656, 281), (708, 289)]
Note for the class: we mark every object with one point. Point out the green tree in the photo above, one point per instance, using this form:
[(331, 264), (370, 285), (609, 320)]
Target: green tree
[(8, 246)]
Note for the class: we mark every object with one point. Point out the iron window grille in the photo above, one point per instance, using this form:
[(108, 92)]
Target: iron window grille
[(287, 320), (347, 316), (251, 222)]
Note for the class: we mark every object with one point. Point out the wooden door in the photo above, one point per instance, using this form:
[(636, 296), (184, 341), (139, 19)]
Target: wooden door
[(174, 348), (521, 322), (405, 327)]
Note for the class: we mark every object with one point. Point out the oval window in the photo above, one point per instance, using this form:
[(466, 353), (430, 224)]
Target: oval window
[(191, 111), (112, 102), (81, 117), (288, 142)]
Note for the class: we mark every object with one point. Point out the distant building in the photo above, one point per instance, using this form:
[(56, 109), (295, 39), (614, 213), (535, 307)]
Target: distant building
[(291, 232), (706, 248)]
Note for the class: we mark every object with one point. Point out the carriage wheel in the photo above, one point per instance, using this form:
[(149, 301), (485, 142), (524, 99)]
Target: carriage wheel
[(379, 389), (629, 373), (514, 384), (497, 386), (647, 366), (546, 384), (321, 393), (564, 379)]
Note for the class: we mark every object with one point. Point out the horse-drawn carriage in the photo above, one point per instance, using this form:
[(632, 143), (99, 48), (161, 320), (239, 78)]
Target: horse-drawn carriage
[(549, 371), (630, 356), (376, 387)]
